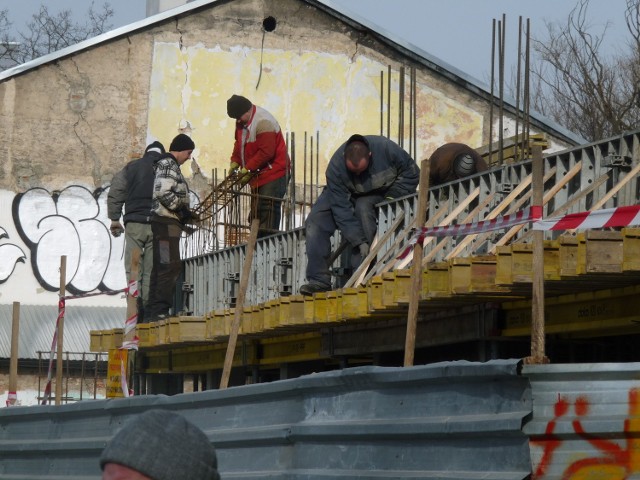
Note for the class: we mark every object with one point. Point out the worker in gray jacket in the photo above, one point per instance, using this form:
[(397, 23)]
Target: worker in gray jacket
[(363, 172), (132, 188)]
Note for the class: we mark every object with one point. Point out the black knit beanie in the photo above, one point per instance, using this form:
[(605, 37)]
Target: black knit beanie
[(238, 106), (181, 143), (156, 147), (163, 445)]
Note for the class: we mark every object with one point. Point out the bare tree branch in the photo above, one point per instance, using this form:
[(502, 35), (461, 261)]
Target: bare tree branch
[(578, 86), (47, 32)]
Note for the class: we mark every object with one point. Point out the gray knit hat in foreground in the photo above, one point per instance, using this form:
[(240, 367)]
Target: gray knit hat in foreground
[(163, 445)]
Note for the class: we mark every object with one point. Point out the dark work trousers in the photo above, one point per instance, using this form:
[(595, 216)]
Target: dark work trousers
[(320, 226), (266, 202), (167, 267)]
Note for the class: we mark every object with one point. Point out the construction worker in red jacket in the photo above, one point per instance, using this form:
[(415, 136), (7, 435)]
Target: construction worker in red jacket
[(260, 158)]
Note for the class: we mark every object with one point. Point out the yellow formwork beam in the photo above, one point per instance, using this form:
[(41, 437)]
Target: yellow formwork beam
[(402, 287), (580, 312), (320, 308), (436, 283), (198, 359), (600, 252), (163, 332), (284, 312), (216, 324), (578, 258), (334, 306), (95, 341), (143, 331), (374, 297), (271, 314), (186, 329), (631, 249), (355, 304), (568, 256), (309, 306), (296, 310), (292, 348)]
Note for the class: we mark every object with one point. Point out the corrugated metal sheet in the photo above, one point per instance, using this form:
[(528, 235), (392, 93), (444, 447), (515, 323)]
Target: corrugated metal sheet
[(586, 420), (453, 420), (38, 322)]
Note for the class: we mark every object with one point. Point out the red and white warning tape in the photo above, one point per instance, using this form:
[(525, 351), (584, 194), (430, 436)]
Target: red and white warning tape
[(132, 321), (608, 217), (507, 221), (12, 398)]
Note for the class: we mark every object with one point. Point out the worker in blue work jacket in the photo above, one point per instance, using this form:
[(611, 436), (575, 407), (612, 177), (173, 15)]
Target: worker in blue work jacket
[(363, 172)]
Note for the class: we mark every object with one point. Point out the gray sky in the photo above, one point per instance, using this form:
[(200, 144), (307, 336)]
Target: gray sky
[(458, 32)]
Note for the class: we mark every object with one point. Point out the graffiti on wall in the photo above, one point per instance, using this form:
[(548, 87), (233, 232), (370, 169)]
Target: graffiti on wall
[(10, 255), (601, 457), (71, 222)]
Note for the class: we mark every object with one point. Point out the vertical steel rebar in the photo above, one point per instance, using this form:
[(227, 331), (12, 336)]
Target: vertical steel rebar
[(401, 108), (526, 85), (389, 102), (518, 74), (501, 29), (381, 102), (493, 63)]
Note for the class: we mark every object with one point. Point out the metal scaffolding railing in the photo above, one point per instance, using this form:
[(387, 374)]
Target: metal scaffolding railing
[(598, 175)]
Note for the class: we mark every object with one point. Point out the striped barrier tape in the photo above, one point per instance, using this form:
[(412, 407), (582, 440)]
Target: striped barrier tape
[(609, 217), (605, 218), (12, 398), (132, 321), (506, 221)]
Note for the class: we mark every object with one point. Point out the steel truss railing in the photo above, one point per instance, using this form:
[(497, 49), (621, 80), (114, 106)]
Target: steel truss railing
[(598, 175)]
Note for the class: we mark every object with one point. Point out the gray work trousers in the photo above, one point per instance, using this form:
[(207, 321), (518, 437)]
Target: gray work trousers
[(139, 236), (320, 226)]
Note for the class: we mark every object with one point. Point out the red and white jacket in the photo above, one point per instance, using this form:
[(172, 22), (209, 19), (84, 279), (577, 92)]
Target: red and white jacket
[(260, 147)]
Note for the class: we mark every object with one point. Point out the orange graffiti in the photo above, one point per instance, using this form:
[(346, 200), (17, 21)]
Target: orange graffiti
[(616, 462)]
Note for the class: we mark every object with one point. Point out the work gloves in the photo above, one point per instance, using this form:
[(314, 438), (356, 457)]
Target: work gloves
[(244, 175), (364, 249), (188, 216)]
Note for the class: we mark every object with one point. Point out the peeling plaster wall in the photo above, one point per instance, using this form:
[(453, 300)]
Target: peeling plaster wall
[(67, 126)]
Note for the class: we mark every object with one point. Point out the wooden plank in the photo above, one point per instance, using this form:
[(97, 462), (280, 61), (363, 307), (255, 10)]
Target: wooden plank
[(416, 268), (503, 205), (546, 199), (469, 218), (244, 280), (360, 272)]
